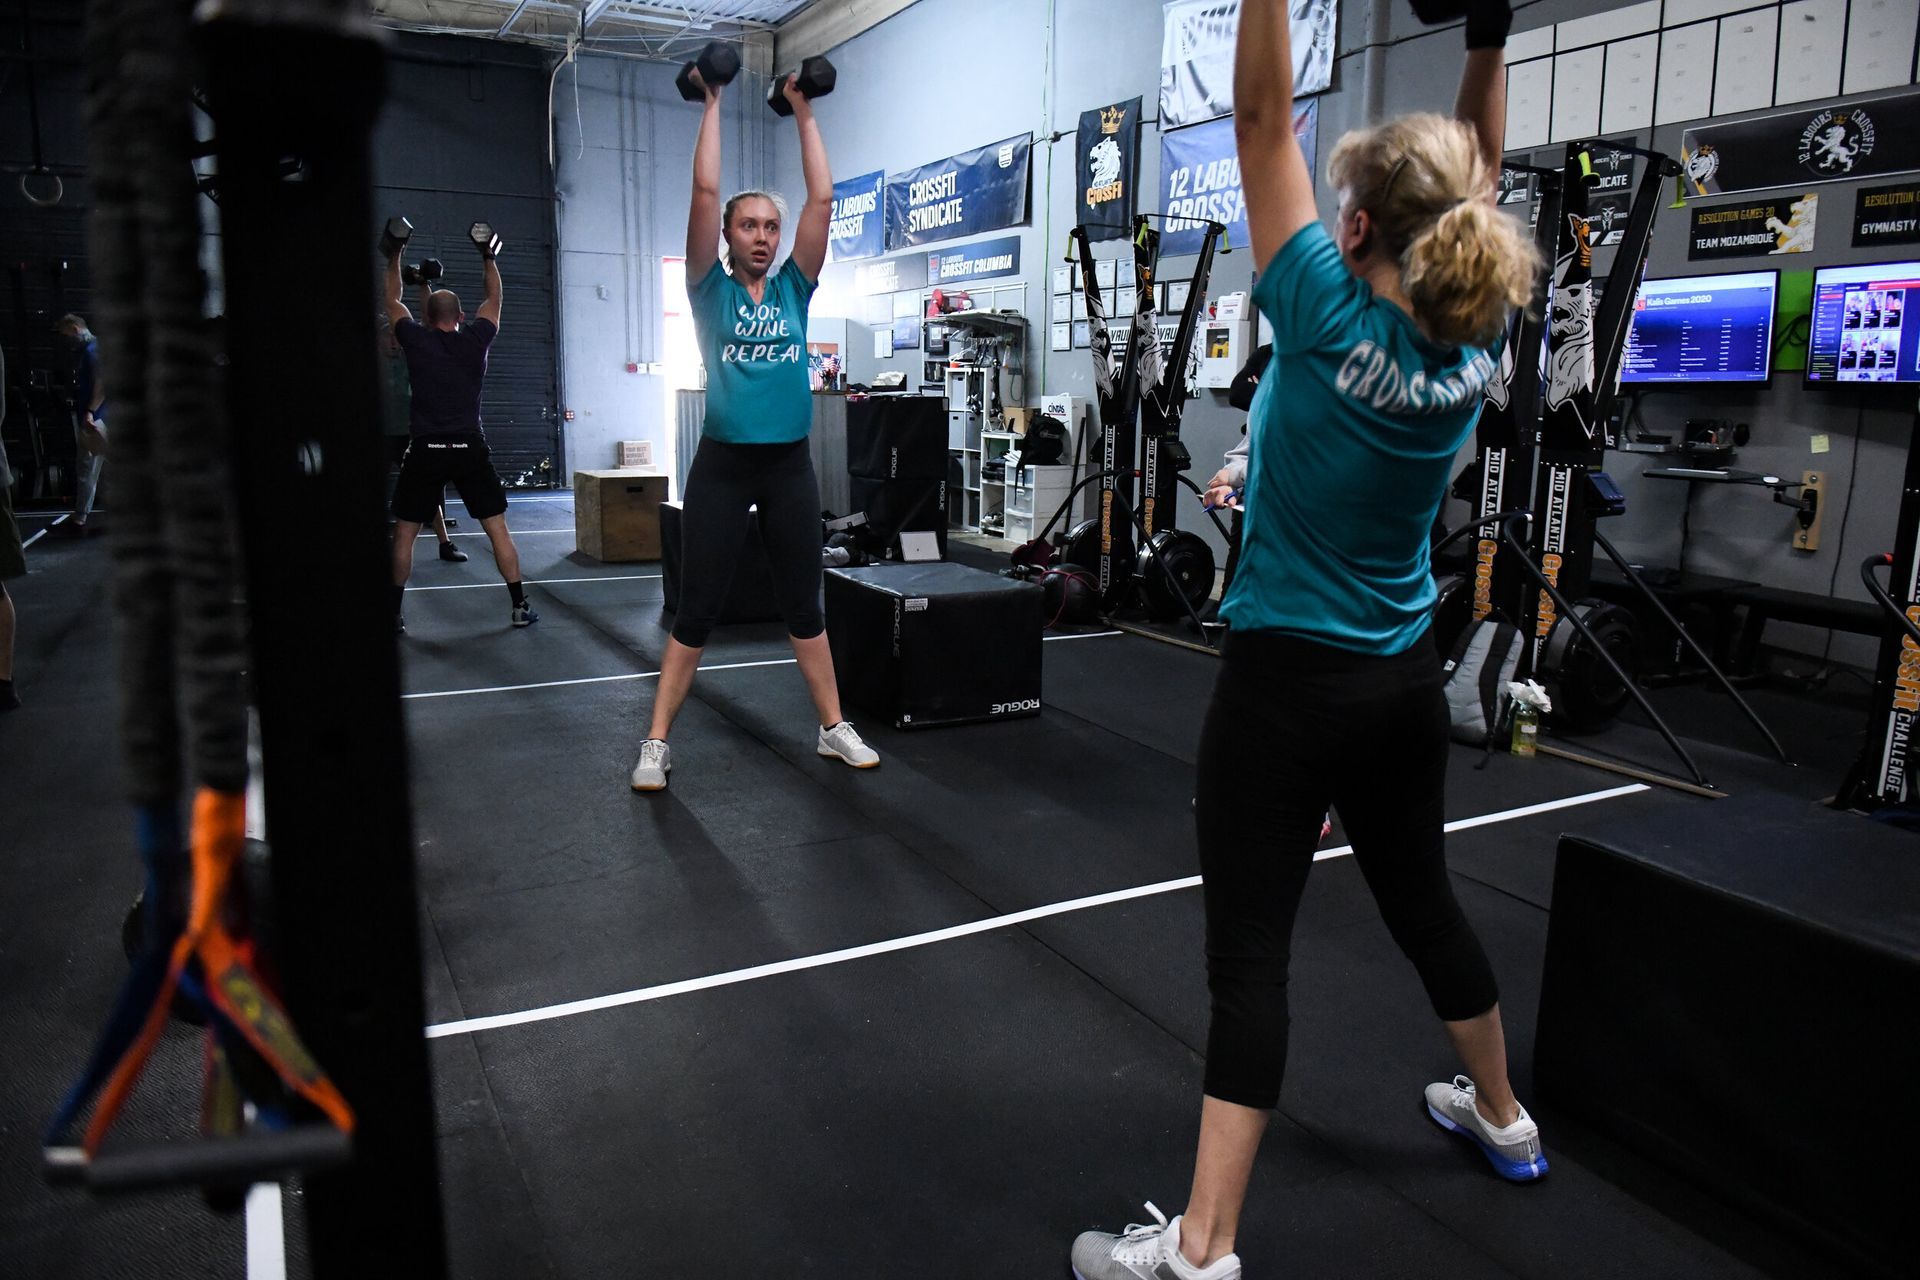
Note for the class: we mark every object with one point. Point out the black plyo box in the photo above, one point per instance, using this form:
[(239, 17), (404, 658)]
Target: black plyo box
[(935, 644)]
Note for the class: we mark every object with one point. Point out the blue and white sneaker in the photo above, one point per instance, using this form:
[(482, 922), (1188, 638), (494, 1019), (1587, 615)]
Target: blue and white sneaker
[(1514, 1151), (524, 616)]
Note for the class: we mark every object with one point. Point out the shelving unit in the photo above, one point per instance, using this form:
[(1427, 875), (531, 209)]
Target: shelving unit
[(978, 391)]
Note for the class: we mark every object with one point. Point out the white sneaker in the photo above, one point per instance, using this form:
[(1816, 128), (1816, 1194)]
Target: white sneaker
[(651, 773), (1150, 1252), (842, 743), (1514, 1152)]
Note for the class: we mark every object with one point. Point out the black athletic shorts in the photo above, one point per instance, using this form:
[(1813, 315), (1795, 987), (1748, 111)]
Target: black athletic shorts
[(434, 462)]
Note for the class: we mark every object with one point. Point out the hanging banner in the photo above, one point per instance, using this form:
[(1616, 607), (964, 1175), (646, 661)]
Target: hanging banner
[(988, 260), (1785, 225), (859, 227), (1108, 156), (1196, 55), (1200, 178), (1887, 215), (963, 195), (891, 275), (1819, 144), (1610, 199)]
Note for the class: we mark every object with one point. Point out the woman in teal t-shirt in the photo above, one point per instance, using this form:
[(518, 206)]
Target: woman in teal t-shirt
[(751, 323), (1330, 689)]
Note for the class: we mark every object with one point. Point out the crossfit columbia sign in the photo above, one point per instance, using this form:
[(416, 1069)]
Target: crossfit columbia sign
[(859, 228), (987, 260), (964, 195)]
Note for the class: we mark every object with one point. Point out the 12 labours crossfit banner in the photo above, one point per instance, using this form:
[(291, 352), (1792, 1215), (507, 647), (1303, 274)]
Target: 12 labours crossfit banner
[(1196, 55), (1108, 156), (1835, 143), (1200, 178), (859, 226), (963, 195)]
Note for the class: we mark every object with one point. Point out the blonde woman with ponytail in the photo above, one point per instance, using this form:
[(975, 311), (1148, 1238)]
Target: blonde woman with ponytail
[(1385, 329)]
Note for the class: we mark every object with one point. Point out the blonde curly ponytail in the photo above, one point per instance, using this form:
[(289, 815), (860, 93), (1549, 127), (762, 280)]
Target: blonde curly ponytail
[(1463, 264)]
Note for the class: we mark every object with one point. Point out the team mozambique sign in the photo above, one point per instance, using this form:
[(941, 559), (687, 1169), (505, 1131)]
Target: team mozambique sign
[(1841, 142), (1783, 225)]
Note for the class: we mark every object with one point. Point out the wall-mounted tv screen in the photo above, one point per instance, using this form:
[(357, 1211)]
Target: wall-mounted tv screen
[(1861, 329), (1702, 329)]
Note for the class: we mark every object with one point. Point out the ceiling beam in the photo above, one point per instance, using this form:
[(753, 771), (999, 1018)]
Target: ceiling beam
[(827, 24)]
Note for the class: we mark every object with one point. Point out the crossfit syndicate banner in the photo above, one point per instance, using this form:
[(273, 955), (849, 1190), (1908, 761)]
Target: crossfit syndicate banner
[(1887, 215), (988, 260), (859, 227), (1785, 225), (1200, 178), (1108, 156), (1819, 144), (1196, 55), (963, 195)]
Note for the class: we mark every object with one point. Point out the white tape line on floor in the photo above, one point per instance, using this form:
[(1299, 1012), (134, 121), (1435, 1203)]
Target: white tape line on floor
[(539, 582), (663, 991), (648, 675)]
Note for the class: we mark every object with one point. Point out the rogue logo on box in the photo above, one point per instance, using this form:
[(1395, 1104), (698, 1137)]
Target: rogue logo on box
[(1007, 708)]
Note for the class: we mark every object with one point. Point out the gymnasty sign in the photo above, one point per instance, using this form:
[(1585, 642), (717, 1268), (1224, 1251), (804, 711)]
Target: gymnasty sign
[(1200, 179), (859, 226), (963, 195), (1887, 215), (988, 260), (1837, 143)]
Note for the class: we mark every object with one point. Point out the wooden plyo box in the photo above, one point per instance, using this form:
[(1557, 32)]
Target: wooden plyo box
[(616, 514)]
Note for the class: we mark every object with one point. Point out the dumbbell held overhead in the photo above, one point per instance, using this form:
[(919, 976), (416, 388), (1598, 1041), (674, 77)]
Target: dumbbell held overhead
[(815, 79), (717, 64), (486, 240), (425, 272), (394, 236)]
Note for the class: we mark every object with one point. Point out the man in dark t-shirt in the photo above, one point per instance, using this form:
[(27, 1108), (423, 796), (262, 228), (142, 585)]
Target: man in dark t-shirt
[(399, 412), (447, 365)]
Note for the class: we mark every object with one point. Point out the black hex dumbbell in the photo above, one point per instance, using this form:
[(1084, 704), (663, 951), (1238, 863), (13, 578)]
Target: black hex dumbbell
[(1435, 12), (717, 64), (816, 80), (486, 240), (394, 236), (429, 270)]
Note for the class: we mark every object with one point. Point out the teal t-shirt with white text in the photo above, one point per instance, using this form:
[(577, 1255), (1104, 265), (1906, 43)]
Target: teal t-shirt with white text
[(756, 356), (1354, 432)]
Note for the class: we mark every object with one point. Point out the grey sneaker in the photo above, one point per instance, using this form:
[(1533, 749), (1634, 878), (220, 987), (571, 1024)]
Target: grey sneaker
[(524, 616), (842, 743), (1514, 1151), (655, 763), (1149, 1252)]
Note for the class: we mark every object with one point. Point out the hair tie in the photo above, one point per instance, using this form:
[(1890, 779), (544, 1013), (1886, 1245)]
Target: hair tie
[(1393, 176)]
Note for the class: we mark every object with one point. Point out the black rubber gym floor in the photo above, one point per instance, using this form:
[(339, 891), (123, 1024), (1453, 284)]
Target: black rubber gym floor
[(956, 1108)]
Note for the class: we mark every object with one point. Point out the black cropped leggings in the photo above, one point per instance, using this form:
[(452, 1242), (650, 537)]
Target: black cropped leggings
[(1294, 727), (725, 480)]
